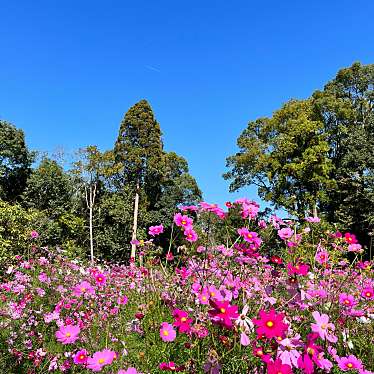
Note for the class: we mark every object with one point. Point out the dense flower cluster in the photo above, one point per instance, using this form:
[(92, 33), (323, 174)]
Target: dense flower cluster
[(229, 308)]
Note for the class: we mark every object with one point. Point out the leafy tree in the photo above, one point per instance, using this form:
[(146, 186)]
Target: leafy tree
[(48, 189), (15, 161), (138, 151), (317, 152), (286, 156), (92, 171)]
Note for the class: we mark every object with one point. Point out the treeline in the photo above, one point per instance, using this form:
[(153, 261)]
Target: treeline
[(316, 154), (91, 203), (312, 156)]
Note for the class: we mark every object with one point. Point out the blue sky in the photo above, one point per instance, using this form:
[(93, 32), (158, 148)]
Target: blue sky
[(69, 70)]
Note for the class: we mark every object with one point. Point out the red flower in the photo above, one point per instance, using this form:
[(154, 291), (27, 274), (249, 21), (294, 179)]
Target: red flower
[(276, 260), (270, 324)]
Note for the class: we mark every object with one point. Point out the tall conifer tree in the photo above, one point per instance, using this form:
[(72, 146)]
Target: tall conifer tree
[(139, 152)]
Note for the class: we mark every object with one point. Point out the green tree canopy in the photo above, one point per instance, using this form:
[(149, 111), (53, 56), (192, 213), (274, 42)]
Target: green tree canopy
[(15, 161), (318, 151), (48, 188)]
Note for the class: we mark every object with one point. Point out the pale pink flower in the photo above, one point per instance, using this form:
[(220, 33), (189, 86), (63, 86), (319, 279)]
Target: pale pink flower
[(68, 334)]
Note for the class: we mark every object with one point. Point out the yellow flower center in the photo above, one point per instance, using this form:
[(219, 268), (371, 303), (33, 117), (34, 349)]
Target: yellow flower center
[(82, 357), (350, 365), (212, 294), (101, 361), (223, 310), (165, 332), (83, 289), (204, 298), (346, 301), (68, 334), (323, 326), (269, 323), (368, 294), (249, 236), (184, 222), (310, 351)]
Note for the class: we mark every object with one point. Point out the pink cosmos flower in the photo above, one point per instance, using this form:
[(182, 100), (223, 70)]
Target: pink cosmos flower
[(34, 234), (156, 230), (100, 359), (204, 297), (323, 327), (223, 313), (347, 300), (367, 293), (167, 333), (288, 352), (270, 324), (250, 210), (248, 236), (83, 288), (67, 334), (100, 279), (349, 363), (190, 234), (80, 358), (277, 367), (322, 257), (129, 371), (355, 247), (285, 233), (182, 220)]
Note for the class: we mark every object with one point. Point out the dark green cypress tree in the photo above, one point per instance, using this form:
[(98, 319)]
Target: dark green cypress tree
[(139, 152)]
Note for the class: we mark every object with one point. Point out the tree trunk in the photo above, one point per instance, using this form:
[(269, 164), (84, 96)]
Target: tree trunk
[(135, 224), (91, 236)]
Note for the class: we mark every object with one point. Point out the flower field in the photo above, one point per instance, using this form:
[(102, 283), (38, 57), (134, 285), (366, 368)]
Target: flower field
[(276, 297)]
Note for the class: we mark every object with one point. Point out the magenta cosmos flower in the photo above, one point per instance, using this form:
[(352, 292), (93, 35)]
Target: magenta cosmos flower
[(80, 358), (100, 279), (349, 363), (167, 333), (323, 327), (83, 288), (223, 312), (270, 324), (67, 334), (182, 220), (347, 300), (367, 293), (182, 321), (277, 367), (156, 230), (100, 359)]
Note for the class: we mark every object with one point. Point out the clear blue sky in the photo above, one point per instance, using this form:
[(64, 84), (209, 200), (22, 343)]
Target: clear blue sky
[(69, 70)]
